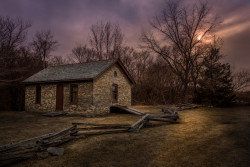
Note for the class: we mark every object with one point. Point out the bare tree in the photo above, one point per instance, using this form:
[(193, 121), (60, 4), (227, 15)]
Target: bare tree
[(241, 80), (43, 44), (180, 33), (58, 60), (141, 61), (135, 61), (12, 35), (156, 83), (16, 62), (83, 54), (127, 56), (106, 39)]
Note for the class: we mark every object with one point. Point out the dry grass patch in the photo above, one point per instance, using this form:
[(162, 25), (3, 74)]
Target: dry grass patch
[(204, 137)]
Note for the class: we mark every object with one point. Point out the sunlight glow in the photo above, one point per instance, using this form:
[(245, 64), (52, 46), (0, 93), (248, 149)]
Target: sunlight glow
[(199, 37)]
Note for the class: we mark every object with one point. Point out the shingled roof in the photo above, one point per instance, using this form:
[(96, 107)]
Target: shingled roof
[(74, 72)]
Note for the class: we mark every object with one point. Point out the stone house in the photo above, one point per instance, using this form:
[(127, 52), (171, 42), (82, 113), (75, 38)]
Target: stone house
[(85, 88)]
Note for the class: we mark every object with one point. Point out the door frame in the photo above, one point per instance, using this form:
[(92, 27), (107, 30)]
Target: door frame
[(59, 97)]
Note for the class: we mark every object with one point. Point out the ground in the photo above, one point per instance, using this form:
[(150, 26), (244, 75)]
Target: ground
[(203, 137)]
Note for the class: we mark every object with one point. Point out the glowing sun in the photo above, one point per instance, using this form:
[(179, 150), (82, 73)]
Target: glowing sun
[(199, 37)]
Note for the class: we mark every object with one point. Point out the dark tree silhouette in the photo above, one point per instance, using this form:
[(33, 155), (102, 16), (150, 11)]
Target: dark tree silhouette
[(81, 54), (178, 32), (43, 43), (241, 80), (16, 62), (106, 39), (58, 60), (12, 35), (215, 86)]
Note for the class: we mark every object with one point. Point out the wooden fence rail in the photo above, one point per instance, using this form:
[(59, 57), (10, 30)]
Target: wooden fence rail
[(30, 147)]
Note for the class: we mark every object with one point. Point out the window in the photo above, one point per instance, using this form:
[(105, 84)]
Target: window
[(115, 93), (115, 74), (38, 94), (73, 93)]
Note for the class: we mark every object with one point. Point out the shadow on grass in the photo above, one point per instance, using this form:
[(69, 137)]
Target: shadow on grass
[(204, 137)]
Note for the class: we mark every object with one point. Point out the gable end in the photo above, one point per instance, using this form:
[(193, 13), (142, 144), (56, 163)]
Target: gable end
[(123, 69)]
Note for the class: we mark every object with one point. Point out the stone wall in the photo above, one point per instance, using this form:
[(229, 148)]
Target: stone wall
[(48, 98), (102, 92), (94, 98), (85, 99)]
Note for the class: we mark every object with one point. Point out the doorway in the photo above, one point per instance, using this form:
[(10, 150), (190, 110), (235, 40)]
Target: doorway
[(59, 97)]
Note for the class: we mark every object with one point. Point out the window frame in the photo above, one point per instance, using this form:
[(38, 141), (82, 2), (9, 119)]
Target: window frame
[(38, 94), (115, 74), (72, 101), (114, 93)]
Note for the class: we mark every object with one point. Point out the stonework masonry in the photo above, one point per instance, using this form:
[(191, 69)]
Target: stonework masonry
[(48, 98), (94, 97), (102, 92), (85, 98)]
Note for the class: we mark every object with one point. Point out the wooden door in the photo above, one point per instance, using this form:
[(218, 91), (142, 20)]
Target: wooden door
[(59, 97)]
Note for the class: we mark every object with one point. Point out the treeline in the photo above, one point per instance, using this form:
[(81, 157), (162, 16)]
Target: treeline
[(179, 59), (20, 59), (16, 62)]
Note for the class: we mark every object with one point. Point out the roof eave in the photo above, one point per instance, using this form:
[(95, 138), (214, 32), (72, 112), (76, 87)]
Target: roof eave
[(58, 81)]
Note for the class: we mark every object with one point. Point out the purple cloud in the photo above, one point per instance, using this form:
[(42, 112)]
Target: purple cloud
[(70, 21)]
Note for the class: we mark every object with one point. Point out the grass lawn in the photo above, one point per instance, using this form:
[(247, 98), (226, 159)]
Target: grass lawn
[(203, 137)]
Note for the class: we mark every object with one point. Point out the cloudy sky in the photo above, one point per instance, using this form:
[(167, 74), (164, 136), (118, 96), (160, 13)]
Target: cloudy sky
[(70, 21)]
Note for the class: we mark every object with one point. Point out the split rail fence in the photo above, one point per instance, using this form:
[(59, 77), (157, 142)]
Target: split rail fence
[(35, 146)]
